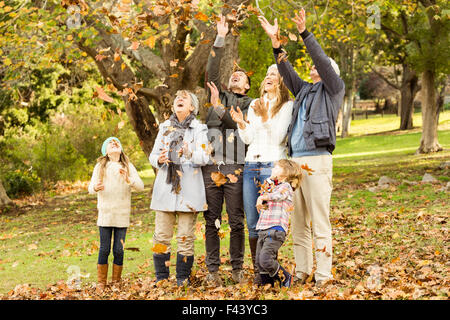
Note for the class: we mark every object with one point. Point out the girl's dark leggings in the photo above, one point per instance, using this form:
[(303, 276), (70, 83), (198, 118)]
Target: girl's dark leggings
[(106, 234)]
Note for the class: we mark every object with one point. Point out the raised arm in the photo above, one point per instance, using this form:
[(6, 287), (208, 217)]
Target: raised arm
[(331, 80), (290, 77), (216, 54)]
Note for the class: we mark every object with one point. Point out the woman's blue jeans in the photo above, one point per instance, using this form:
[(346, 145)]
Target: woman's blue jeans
[(254, 175), (106, 235)]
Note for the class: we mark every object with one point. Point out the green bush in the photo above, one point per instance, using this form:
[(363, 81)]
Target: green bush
[(57, 159), (21, 183)]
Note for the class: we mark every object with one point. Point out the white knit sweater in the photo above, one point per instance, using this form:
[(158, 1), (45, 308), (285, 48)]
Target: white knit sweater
[(114, 202), (267, 140)]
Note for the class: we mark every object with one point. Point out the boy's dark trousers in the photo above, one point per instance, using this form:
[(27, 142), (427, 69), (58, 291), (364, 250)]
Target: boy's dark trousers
[(269, 242), (215, 196)]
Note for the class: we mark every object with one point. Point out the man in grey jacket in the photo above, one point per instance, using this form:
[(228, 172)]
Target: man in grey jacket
[(228, 157), (311, 140)]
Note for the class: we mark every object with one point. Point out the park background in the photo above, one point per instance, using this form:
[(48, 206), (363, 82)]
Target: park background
[(75, 72)]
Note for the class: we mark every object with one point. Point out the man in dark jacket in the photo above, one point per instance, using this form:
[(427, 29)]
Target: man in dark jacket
[(311, 140), (228, 157)]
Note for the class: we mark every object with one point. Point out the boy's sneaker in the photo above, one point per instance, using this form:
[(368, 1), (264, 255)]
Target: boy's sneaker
[(286, 277)]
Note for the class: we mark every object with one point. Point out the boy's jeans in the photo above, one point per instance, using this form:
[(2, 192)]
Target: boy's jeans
[(269, 242)]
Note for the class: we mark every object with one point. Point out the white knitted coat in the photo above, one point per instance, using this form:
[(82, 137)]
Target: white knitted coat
[(114, 202)]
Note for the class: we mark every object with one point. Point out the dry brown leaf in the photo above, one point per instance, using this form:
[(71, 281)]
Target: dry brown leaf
[(102, 95), (201, 16), (218, 178), (232, 177), (159, 248)]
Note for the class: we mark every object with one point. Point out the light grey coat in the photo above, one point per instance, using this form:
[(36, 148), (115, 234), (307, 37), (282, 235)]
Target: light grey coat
[(192, 194)]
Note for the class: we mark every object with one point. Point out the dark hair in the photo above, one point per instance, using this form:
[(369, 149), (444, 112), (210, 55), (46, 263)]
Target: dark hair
[(239, 69)]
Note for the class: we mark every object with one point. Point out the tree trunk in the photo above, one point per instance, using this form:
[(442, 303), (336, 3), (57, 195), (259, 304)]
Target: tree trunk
[(347, 111), (136, 105), (178, 70), (339, 121), (429, 141), (4, 199), (408, 91)]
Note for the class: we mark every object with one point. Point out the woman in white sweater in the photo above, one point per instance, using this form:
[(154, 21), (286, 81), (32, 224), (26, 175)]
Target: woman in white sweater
[(265, 133), (112, 180)]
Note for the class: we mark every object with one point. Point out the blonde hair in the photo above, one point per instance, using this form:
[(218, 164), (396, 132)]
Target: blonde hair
[(103, 160), (291, 171), (282, 94)]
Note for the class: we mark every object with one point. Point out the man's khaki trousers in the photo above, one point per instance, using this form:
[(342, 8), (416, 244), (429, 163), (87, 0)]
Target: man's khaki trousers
[(311, 218)]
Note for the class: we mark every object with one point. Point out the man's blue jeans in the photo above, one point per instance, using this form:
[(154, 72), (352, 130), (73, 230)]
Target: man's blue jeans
[(254, 175)]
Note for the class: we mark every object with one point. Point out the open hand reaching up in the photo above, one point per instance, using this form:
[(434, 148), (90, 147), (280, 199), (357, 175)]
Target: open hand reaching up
[(261, 109), (271, 30), (215, 101), (238, 117), (222, 27), (300, 21)]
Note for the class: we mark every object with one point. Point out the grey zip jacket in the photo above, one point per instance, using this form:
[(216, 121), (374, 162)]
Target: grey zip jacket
[(323, 99)]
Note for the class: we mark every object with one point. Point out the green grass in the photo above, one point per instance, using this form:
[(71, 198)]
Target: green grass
[(387, 123)]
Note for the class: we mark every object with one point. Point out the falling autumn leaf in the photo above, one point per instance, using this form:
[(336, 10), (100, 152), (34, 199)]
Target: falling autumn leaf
[(151, 41), (102, 95), (99, 57), (201, 16), (282, 57), (218, 178), (104, 50), (232, 177), (159, 248), (307, 169), (134, 45)]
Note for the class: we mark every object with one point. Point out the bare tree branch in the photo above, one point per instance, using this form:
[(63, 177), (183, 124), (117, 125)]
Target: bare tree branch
[(384, 78)]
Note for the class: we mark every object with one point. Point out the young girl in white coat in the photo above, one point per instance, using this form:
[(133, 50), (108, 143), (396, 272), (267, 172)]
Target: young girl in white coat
[(112, 180)]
